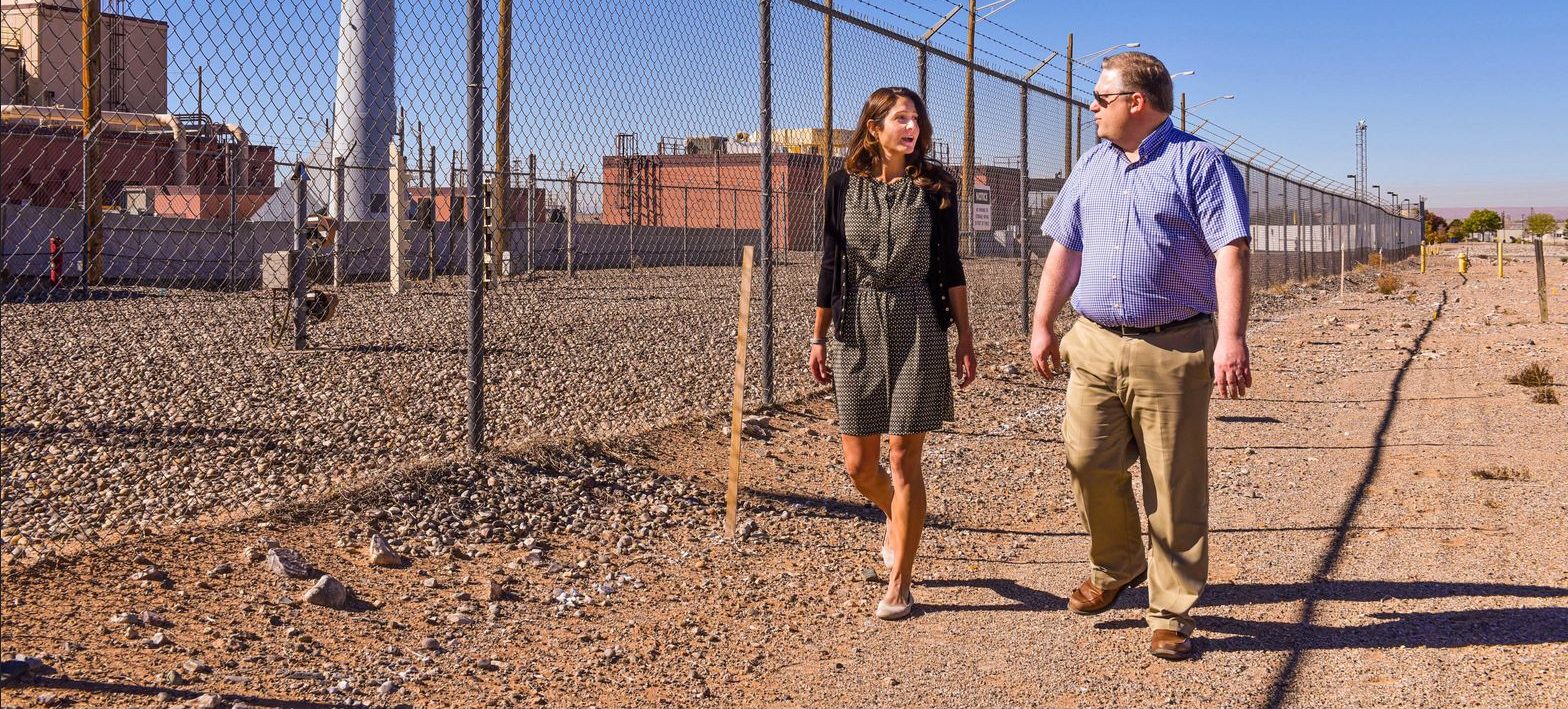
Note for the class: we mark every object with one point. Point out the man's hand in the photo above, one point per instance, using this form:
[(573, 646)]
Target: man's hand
[(1044, 351), (1232, 367)]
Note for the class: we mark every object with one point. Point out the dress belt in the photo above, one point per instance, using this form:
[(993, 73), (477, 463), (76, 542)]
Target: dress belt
[(1127, 330)]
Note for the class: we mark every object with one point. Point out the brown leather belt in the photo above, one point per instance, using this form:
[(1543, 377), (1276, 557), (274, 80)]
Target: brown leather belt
[(1127, 330)]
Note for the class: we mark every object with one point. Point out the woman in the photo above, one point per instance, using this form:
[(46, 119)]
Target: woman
[(891, 284)]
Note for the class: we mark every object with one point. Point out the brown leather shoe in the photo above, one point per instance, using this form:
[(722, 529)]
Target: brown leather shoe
[(1089, 599), (1170, 645)]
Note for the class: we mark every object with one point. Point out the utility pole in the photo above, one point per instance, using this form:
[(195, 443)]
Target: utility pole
[(967, 211), (503, 122), (827, 94), (92, 182)]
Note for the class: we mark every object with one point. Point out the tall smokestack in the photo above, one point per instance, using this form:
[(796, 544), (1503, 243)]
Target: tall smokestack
[(364, 107)]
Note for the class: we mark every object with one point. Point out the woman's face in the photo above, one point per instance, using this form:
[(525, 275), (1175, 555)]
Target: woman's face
[(897, 130)]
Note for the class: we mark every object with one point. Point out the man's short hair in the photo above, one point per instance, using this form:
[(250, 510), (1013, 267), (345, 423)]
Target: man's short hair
[(1143, 73)]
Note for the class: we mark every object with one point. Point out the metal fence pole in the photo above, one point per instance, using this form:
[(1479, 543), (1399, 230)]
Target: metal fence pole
[(430, 247), (734, 233), (571, 225), (232, 168), (1266, 230), (528, 210), (685, 226), (1067, 135), (1023, 207), (339, 174), (920, 69), (476, 333), (766, 216), (297, 272)]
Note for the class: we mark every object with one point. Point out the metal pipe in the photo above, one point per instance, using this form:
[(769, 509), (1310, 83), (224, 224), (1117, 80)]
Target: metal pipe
[(966, 186), (476, 332)]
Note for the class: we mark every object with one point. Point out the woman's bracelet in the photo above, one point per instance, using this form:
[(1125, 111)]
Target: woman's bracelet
[(819, 341)]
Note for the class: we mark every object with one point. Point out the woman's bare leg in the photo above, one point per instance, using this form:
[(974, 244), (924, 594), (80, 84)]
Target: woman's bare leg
[(908, 510)]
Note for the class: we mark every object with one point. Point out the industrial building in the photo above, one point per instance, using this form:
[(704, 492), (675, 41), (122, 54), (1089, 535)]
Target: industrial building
[(713, 182), (151, 160)]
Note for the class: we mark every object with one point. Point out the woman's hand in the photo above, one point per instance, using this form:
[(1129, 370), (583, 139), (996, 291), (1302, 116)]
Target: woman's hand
[(964, 366), (818, 362)]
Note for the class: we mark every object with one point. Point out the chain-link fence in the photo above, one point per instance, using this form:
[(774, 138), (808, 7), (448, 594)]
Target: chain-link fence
[(235, 270)]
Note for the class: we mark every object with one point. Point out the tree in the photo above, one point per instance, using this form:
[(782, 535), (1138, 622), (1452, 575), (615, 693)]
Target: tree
[(1458, 229), (1541, 224), (1484, 221)]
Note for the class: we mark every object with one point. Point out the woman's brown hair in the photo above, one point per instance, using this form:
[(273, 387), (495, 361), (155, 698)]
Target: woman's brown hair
[(865, 153)]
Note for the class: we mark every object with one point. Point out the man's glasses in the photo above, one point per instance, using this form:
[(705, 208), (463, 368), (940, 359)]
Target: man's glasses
[(1105, 100)]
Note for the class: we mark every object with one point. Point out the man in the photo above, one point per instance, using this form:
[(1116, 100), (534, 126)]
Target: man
[(1151, 241)]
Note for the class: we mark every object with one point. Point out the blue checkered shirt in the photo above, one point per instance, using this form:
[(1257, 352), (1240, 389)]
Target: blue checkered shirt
[(1148, 230)]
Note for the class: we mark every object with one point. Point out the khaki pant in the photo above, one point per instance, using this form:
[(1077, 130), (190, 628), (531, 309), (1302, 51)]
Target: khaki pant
[(1143, 398)]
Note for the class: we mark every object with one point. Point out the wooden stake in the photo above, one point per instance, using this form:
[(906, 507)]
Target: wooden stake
[(732, 496), (1540, 276)]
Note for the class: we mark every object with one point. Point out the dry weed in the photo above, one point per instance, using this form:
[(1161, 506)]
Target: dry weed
[(1388, 283), (1545, 395), (1533, 375), (1498, 472)]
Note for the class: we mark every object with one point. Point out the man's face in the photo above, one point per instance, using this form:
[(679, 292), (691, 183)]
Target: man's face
[(1112, 116)]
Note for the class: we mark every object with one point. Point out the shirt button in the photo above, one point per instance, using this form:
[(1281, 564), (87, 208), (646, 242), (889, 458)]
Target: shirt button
[(1126, 191), (1113, 277)]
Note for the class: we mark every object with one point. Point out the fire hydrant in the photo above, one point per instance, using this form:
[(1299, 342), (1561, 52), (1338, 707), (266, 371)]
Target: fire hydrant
[(1464, 263)]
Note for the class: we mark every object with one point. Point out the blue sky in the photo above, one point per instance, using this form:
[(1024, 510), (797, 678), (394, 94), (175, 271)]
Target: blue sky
[(1464, 100)]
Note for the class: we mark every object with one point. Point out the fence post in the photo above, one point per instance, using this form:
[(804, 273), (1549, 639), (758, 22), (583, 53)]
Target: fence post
[(685, 226), (430, 247), (339, 174), (1023, 207), (1266, 240), (475, 228), (297, 272), (528, 220), (232, 168), (766, 216), (1540, 274), (397, 221), (571, 225), (734, 232)]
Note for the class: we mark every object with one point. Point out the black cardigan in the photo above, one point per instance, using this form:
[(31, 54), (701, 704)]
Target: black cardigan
[(947, 271)]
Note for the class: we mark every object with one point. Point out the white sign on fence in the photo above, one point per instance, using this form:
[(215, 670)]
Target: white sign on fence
[(980, 207)]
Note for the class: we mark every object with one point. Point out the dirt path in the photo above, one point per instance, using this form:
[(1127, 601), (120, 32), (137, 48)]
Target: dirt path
[(1357, 557)]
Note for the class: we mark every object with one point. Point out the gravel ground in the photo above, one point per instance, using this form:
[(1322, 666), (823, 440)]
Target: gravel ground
[(152, 409), (1387, 514)]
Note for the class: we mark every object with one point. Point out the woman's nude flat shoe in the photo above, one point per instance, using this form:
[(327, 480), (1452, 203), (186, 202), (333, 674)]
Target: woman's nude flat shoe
[(896, 611)]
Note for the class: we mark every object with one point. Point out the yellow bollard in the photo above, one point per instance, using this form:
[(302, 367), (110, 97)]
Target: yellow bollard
[(1464, 263), (1499, 255)]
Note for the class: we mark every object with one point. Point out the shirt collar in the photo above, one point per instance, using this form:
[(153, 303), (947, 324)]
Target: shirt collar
[(1156, 141)]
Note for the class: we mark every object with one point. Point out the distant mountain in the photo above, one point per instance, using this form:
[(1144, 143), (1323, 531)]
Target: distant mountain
[(1512, 213)]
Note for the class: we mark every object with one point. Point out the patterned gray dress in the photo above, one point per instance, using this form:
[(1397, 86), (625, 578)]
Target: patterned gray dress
[(890, 368)]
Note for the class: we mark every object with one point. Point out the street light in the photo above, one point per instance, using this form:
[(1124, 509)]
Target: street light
[(1112, 48), (1226, 97)]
